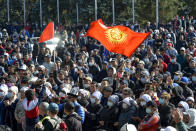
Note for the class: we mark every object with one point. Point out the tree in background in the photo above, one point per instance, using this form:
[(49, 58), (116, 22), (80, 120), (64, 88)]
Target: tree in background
[(144, 10)]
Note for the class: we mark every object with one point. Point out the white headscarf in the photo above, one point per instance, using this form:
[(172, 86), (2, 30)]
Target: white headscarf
[(192, 115)]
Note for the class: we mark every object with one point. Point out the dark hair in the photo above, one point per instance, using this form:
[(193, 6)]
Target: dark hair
[(29, 94), (152, 104), (24, 80), (69, 106)]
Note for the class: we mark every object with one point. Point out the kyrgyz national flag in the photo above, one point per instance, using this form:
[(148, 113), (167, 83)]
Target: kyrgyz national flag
[(118, 39), (48, 33)]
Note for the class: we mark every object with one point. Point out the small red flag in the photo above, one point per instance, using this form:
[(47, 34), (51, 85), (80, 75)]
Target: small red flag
[(48, 33), (118, 39)]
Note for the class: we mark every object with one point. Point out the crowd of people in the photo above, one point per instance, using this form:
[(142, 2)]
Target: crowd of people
[(83, 87)]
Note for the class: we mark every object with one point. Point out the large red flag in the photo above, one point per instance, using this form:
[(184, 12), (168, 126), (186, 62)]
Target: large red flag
[(48, 33), (118, 39)]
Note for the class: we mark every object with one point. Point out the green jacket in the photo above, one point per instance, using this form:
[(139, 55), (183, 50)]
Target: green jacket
[(181, 126)]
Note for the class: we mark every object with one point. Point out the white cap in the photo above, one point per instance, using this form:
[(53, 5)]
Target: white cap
[(190, 99), (146, 97), (14, 89), (128, 127), (4, 88), (23, 67), (24, 88), (97, 94), (184, 104), (127, 100), (42, 67), (182, 48)]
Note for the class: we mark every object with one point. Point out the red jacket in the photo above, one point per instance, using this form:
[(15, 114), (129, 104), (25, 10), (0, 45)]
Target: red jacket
[(151, 124), (31, 108)]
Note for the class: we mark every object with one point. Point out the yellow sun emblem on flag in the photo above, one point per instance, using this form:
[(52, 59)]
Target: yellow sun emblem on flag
[(116, 36)]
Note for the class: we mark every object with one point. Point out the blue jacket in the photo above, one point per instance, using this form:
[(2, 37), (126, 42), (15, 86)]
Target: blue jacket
[(80, 111)]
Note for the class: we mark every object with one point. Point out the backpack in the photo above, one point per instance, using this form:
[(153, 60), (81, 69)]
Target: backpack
[(60, 124)]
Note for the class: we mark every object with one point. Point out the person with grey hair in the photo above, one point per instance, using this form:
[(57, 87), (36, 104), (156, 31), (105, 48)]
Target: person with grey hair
[(44, 118)]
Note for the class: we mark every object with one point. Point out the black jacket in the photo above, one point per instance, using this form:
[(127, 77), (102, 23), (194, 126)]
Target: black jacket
[(91, 122), (73, 122), (172, 68), (109, 116)]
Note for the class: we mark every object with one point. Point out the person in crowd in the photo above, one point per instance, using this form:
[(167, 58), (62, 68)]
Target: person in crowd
[(30, 105), (3, 97), (151, 120), (91, 112), (52, 122), (20, 111), (72, 119), (43, 112), (128, 110), (143, 100), (10, 105), (107, 92), (72, 97), (161, 71), (174, 65), (109, 114), (191, 102), (183, 106)]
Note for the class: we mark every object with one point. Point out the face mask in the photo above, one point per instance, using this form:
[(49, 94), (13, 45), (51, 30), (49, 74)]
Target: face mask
[(148, 110), (161, 101), (175, 77), (180, 109), (143, 103), (90, 63), (124, 106), (85, 86), (2, 94), (92, 100), (9, 95), (110, 104), (79, 97), (194, 78), (143, 80), (146, 60), (172, 60)]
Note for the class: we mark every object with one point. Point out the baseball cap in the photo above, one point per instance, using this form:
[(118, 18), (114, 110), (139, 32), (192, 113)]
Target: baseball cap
[(53, 107), (141, 62), (178, 73), (88, 78), (23, 67), (182, 48)]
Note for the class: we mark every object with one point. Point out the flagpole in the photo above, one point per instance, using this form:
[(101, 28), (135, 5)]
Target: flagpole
[(58, 10), (24, 12), (157, 13), (77, 13), (95, 9), (133, 11), (113, 11), (40, 5), (8, 11)]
